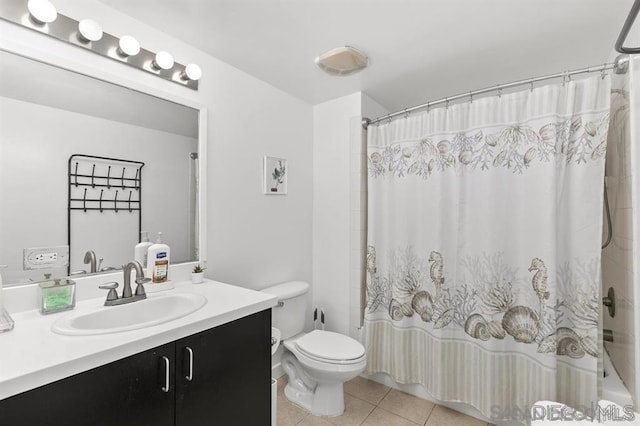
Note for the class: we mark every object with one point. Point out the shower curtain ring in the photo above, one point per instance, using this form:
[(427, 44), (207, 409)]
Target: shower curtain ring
[(531, 85), (446, 103), (471, 97), (428, 107), (499, 91), (406, 113), (602, 71)]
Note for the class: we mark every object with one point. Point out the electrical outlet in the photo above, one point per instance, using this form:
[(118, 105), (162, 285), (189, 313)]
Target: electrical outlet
[(45, 257)]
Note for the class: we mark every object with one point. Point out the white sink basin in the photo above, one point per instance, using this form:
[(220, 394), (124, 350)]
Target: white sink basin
[(114, 319)]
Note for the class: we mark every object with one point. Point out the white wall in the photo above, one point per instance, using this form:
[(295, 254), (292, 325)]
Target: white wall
[(331, 208), (358, 212), (339, 208), (253, 240)]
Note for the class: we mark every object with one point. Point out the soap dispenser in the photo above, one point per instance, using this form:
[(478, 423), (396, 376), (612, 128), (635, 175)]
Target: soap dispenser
[(158, 256), (141, 249), (6, 322)]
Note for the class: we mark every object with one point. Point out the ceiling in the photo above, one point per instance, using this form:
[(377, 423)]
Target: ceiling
[(419, 49)]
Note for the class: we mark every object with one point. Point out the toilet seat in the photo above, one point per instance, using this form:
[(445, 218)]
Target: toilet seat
[(330, 347)]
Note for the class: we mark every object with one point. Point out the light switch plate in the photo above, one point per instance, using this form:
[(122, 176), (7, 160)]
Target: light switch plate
[(45, 257)]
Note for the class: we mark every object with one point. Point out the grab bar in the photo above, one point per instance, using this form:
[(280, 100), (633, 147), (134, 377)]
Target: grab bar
[(628, 23)]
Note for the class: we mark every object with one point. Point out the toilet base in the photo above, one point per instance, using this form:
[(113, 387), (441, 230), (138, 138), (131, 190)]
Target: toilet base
[(318, 397), (328, 399)]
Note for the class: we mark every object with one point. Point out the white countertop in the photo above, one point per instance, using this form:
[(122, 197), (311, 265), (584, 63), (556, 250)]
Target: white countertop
[(31, 355)]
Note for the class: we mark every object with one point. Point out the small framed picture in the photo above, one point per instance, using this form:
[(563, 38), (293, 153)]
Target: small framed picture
[(275, 175)]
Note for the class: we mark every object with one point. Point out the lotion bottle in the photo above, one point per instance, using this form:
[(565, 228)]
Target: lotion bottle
[(158, 256), (141, 249)]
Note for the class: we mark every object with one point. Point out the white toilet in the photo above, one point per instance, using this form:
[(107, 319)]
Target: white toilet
[(317, 363)]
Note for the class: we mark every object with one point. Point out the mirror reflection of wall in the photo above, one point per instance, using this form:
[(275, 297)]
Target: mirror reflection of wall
[(49, 114)]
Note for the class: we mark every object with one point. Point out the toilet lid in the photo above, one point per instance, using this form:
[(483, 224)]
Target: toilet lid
[(330, 346)]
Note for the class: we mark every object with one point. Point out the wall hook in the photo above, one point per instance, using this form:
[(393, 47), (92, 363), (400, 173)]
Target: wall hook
[(136, 183), (122, 180), (115, 202), (108, 175), (130, 201), (93, 173), (76, 174), (100, 200), (84, 201)]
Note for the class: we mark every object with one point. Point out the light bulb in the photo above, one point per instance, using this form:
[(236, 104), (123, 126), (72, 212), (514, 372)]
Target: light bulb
[(128, 46), (89, 30), (42, 11), (191, 72), (164, 60)]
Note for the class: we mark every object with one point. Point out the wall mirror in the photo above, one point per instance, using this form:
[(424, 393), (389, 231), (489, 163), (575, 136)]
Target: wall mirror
[(49, 114)]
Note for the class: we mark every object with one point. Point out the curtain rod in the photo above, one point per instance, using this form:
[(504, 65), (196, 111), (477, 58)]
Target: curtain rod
[(620, 65), (624, 32)]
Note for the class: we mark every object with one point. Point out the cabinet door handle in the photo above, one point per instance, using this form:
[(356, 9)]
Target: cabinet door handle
[(165, 388), (189, 376)]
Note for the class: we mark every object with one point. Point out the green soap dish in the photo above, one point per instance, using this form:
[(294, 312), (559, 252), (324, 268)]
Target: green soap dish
[(57, 295)]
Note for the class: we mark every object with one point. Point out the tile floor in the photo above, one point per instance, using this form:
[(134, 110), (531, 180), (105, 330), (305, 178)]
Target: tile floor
[(368, 403)]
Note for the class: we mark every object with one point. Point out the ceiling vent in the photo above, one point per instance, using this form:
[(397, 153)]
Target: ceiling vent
[(342, 61)]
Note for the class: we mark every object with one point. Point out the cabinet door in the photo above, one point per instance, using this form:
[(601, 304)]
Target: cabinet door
[(229, 368), (125, 392)]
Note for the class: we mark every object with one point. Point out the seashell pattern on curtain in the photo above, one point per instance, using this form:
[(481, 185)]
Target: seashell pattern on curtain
[(483, 257)]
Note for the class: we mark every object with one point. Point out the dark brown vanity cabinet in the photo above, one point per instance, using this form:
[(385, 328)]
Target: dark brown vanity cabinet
[(221, 376)]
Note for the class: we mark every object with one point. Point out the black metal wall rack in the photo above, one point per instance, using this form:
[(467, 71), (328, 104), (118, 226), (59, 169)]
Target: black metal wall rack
[(102, 184), (118, 181)]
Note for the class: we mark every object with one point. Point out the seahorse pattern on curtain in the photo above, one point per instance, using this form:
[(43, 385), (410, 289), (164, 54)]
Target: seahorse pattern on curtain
[(483, 257)]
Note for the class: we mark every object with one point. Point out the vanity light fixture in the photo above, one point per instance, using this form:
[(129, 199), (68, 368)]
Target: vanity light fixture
[(163, 61), (42, 11), (39, 16), (128, 46), (89, 30), (191, 72)]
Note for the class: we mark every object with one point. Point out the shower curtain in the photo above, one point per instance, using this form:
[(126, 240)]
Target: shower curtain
[(483, 248)]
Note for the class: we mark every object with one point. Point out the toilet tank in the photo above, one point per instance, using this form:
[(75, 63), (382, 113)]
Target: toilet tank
[(290, 317)]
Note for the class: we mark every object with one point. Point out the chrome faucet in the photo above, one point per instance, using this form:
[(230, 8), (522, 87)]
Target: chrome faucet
[(140, 279), (90, 258), (127, 294)]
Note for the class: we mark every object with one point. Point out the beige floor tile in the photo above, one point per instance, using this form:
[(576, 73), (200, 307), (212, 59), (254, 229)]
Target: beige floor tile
[(443, 416), (288, 414), (282, 382), (365, 389), (408, 406), (314, 421), (380, 417), (355, 411)]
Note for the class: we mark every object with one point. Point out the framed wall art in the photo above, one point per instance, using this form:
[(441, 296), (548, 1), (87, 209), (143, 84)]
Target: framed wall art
[(275, 175)]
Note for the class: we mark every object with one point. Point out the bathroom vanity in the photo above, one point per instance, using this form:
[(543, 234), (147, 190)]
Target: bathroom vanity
[(210, 367)]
